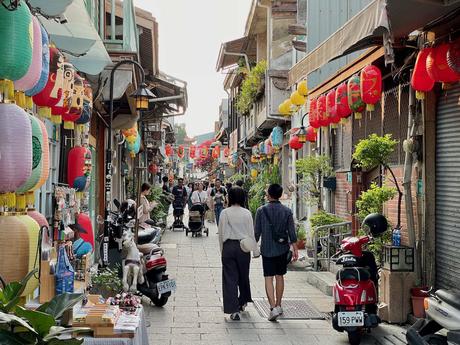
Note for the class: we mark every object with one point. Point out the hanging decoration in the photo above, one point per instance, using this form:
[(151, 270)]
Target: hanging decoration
[(421, 81), (85, 228), (15, 150), (226, 151), (168, 150), (38, 217), (87, 108), (180, 151), (331, 109), (285, 108), (254, 173), (341, 102), (311, 134), (297, 99), (76, 103), (135, 147), (371, 86), (321, 111), (45, 158), (192, 152), (354, 96), (261, 149), (130, 134), (277, 138), (153, 168), (269, 151), (62, 108), (204, 152), (302, 88), (234, 157), (312, 113), (294, 143), (45, 68), (216, 152), (79, 168), (453, 56), (438, 68)]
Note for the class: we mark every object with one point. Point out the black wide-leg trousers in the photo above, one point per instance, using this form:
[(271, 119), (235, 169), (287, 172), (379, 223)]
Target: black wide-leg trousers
[(235, 276)]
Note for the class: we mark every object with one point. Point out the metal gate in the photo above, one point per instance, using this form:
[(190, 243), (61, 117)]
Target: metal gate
[(448, 190)]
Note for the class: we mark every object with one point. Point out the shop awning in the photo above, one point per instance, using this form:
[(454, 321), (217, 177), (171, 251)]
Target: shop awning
[(94, 61), (231, 52), (51, 7), (378, 23)]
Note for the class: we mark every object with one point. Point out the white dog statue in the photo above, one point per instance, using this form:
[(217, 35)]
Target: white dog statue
[(132, 270)]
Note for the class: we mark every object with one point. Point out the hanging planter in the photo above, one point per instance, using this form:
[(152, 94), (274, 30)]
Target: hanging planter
[(371, 86), (421, 81), (341, 102), (45, 68), (79, 168), (354, 97)]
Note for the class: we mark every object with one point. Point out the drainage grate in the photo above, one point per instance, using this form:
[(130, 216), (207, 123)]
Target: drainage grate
[(292, 309)]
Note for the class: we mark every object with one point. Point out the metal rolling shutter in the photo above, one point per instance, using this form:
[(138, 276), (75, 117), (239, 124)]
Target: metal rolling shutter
[(448, 190)]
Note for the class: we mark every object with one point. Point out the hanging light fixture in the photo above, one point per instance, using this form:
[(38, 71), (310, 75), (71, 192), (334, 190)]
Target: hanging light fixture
[(142, 96)]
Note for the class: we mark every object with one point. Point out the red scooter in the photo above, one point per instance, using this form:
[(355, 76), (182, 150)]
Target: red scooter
[(355, 291)]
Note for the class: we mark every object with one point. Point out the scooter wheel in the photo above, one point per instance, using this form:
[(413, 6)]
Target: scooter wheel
[(159, 302), (435, 339), (354, 337)]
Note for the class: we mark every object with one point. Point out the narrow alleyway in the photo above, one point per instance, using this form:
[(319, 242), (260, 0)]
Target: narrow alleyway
[(193, 315)]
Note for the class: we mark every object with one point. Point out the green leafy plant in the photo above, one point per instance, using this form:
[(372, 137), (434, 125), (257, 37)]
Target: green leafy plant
[(321, 218), (301, 233), (250, 87), (311, 169), (107, 281), (20, 326), (158, 213), (268, 174), (375, 151)]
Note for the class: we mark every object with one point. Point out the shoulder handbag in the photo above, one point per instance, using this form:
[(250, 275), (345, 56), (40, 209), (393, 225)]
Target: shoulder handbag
[(247, 244), (279, 235)]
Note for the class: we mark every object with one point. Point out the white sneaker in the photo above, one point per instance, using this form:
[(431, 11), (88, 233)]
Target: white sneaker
[(280, 310), (274, 313)]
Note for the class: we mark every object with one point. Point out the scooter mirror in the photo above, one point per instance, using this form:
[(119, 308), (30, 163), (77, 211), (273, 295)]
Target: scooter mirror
[(100, 220), (116, 203)]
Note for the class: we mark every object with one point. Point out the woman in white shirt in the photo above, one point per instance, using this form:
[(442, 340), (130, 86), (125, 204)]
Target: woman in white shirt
[(146, 206), (235, 225), (199, 196)]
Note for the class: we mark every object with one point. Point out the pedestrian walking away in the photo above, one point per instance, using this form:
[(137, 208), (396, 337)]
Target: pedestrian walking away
[(240, 184), (219, 195), (236, 234), (274, 225)]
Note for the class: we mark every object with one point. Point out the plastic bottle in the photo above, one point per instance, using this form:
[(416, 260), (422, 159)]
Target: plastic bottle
[(396, 237)]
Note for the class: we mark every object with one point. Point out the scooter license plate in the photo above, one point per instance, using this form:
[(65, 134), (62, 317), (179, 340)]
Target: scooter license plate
[(351, 318), (166, 286)]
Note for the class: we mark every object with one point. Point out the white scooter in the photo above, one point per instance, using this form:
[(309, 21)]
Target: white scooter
[(442, 310)]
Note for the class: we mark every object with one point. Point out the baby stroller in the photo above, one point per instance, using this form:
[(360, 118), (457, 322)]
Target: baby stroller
[(178, 212), (196, 221)]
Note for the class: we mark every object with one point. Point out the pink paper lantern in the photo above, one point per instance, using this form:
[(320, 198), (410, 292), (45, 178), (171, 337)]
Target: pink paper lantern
[(38, 217)]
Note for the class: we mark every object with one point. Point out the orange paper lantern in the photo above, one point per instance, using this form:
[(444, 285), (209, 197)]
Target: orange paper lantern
[(192, 152)]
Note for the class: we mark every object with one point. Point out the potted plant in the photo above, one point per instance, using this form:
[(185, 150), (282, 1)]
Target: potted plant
[(301, 237), (106, 282)]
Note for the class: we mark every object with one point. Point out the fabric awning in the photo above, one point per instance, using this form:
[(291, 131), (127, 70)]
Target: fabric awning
[(231, 52), (51, 7), (380, 21), (94, 61)]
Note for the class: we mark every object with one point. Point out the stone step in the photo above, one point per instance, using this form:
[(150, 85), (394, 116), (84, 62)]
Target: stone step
[(323, 281)]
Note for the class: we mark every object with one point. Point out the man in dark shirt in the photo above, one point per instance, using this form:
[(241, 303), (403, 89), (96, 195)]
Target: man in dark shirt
[(180, 195), (274, 225)]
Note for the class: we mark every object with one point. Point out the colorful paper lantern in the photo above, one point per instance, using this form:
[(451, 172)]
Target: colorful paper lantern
[(421, 81), (313, 113), (45, 68), (216, 152), (45, 158), (254, 173), (79, 167), (87, 110), (226, 152), (438, 68), (311, 134), (302, 88), (341, 101), (38, 217), (192, 152), (453, 56), (331, 109), (371, 86), (33, 74), (33, 230), (354, 96), (130, 134), (180, 151), (277, 137), (85, 228), (76, 104), (285, 108), (294, 143), (269, 148), (261, 148), (15, 149), (153, 168), (14, 259), (16, 32), (204, 152), (62, 108), (135, 147), (321, 111), (297, 99), (169, 150)]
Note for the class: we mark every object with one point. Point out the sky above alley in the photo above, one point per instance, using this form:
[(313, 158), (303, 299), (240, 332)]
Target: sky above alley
[(190, 35)]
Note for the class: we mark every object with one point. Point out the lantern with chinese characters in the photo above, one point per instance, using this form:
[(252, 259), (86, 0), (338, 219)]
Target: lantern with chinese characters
[(277, 138), (16, 32), (45, 68), (313, 113), (331, 109), (354, 96), (51, 94), (297, 99), (62, 108), (76, 105), (79, 168), (321, 111), (15, 150), (341, 102), (33, 74), (453, 56), (437, 66), (294, 143), (421, 81), (302, 88), (371, 86), (226, 152), (192, 152), (153, 168), (311, 134), (180, 151), (169, 150), (204, 152), (87, 109)]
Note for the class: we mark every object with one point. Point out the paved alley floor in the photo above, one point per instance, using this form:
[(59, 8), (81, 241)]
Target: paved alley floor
[(193, 315)]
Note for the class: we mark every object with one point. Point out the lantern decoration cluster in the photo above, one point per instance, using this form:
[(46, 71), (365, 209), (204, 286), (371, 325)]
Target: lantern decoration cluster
[(331, 109), (371, 86), (79, 168), (342, 107), (436, 64), (295, 101), (321, 111)]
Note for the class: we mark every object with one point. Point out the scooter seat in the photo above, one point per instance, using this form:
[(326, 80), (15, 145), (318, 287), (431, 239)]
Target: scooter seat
[(350, 273), (449, 297), (146, 235)]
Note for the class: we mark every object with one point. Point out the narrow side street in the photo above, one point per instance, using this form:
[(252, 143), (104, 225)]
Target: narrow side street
[(193, 315)]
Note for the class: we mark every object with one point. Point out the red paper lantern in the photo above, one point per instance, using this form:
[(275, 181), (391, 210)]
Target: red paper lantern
[(153, 168), (169, 150), (294, 143), (421, 81), (438, 68), (313, 113), (227, 152), (85, 228), (180, 151), (321, 111), (204, 152), (192, 152), (216, 152), (331, 109), (453, 56), (354, 96), (341, 101), (311, 134), (79, 168), (371, 86)]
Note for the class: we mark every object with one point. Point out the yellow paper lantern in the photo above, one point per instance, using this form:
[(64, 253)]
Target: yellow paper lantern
[(297, 99), (254, 173), (302, 88)]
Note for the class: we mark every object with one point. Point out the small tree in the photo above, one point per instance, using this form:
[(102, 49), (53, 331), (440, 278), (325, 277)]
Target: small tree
[(375, 151), (311, 169)]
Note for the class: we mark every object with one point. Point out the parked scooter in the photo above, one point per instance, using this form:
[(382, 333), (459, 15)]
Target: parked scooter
[(157, 286), (442, 310), (355, 292)]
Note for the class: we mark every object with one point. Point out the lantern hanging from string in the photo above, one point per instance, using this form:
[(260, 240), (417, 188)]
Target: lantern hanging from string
[(421, 81), (371, 86), (15, 150), (16, 31), (294, 143), (269, 148), (14, 259), (130, 134), (453, 56), (169, 150), (321, 111), (331, 109), (341, 102), (76, 104), (45, 67), (135, 147), (354, 96), (437, 66), (297, 99), (277, 138), (85, 228), (87, 108), (45, 158), (226, 152), (254, 173), (302, 88), (62, 108), (33, 74), (180, 151), (153, 168), (313, 113), (52, 92), (38, 217), (204, 152), (216, 152), (285, 108), (79, 168), (311, 134), (192, 152), (261, 149)]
